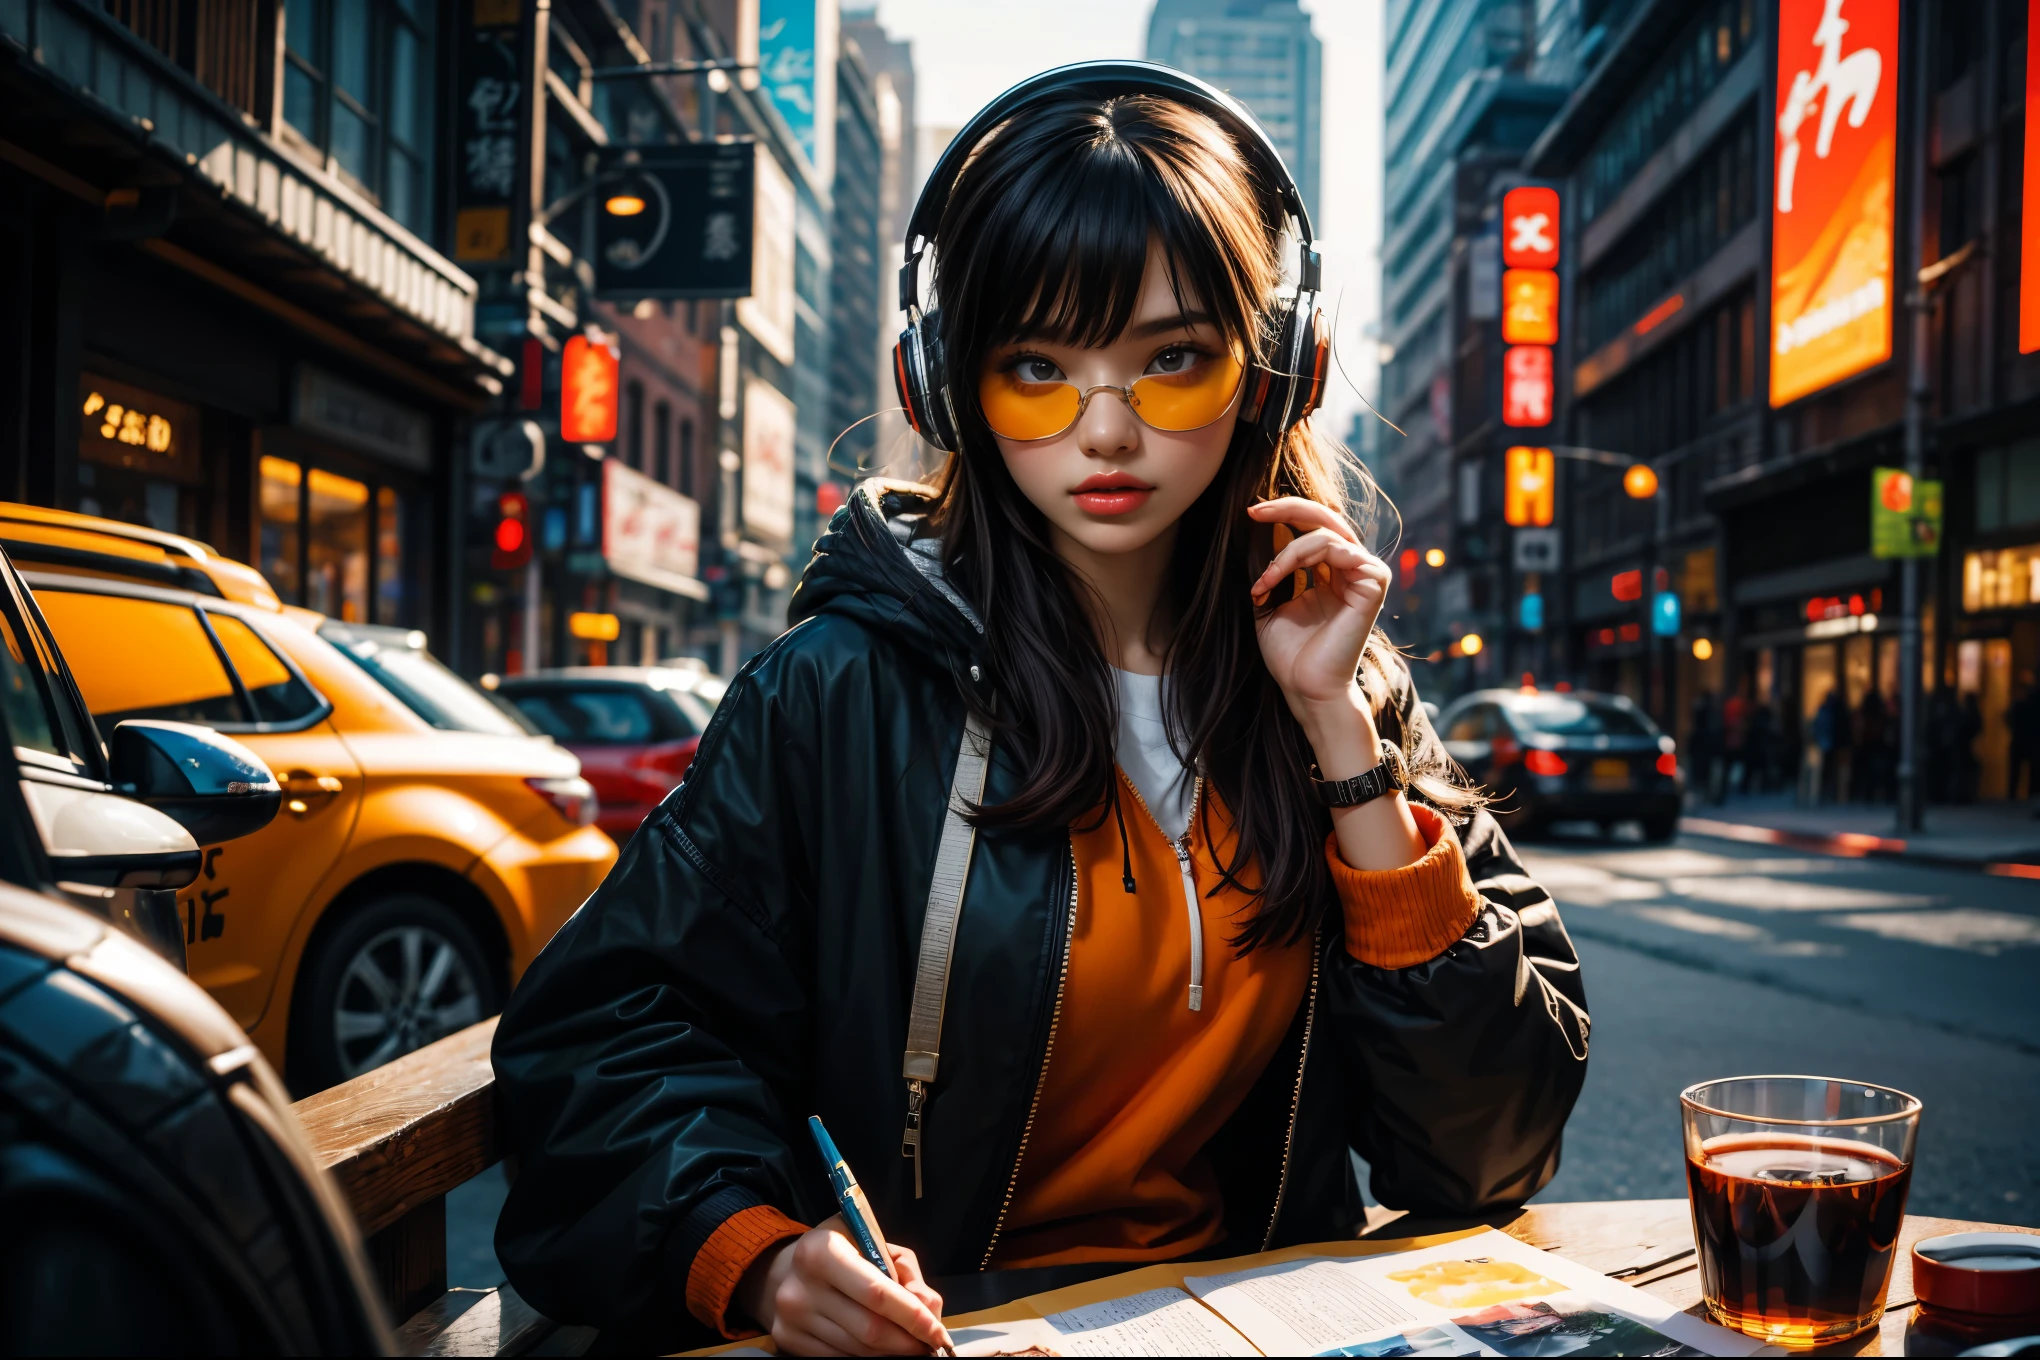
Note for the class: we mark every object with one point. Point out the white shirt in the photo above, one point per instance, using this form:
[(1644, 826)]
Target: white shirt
[(1144, 753)]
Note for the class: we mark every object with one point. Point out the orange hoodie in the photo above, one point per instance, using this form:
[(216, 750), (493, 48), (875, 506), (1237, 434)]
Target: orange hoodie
[(1136, 1082)]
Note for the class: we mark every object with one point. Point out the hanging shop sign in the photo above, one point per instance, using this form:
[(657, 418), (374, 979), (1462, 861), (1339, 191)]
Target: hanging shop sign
[(588, 389), (768, 462), (675, 222), (1905, 514), (1530, 307), (489, 99), (768, 312), (1832, 216), (1530, 227), (124, 426), (650, 532), (1529, 486), (1526, 386)]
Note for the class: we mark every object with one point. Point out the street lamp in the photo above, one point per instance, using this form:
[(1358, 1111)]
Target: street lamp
[(1640, 481)]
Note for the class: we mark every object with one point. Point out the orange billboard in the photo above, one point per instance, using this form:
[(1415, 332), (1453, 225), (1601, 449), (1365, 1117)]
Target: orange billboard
[(2029, 230), (1831, 220)]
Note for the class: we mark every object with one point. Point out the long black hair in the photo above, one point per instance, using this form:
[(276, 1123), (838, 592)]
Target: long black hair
[(1047, 232)]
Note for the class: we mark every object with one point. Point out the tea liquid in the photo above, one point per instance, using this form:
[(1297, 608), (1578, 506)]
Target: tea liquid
[(1795, 1235)]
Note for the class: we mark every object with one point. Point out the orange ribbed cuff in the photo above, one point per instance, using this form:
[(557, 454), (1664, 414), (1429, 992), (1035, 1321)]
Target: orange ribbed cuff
[(729, 1251), (1399, 918)]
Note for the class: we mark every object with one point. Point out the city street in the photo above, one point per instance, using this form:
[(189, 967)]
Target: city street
[(1708, 958)]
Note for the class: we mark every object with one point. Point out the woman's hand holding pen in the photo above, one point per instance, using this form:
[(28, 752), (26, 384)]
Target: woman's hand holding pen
[(817, 1295), (1312, 646)]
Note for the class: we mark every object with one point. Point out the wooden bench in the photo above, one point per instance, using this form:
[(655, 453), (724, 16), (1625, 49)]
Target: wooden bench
[(397, 1140)]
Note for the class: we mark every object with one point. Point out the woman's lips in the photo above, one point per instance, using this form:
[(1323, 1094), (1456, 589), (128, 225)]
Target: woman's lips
[(1118, 495)]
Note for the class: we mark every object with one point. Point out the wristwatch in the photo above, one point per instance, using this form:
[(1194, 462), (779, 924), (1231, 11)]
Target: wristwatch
[(1390, 776)]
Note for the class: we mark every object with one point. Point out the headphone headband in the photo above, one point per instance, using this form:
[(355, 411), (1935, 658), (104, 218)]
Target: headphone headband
[(1099, 80)]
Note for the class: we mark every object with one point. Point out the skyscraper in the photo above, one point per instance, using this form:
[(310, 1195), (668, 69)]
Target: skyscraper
[(1263, 53)]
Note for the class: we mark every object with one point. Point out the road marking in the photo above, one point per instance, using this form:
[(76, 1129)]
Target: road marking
[(1966, 928)]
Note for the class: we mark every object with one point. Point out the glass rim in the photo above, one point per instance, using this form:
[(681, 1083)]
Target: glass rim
[(1912, 1108)]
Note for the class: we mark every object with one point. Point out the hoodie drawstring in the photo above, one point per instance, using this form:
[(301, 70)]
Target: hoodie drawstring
[(1125, 847)]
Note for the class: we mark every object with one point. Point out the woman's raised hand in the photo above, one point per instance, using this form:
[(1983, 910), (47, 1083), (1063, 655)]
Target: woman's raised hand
[(1312, 643), (817, 1295)]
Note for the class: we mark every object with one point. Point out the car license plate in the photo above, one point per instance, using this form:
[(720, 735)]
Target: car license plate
[(1609, 774)]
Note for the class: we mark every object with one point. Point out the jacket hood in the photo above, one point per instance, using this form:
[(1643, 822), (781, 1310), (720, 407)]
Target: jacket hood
[(878, 564)]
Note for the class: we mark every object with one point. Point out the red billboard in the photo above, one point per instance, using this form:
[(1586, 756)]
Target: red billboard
[(1832, 216), (1530, 228), (1526, 386)]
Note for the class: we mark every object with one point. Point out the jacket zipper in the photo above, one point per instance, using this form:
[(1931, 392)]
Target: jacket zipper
[(1041, 1076), (1181, 845), (1296, 1096)]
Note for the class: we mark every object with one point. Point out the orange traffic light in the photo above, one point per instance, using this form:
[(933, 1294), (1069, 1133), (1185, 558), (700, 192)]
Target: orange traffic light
[(1528, 495), (588, 387), (511, 542), (1640, 481)]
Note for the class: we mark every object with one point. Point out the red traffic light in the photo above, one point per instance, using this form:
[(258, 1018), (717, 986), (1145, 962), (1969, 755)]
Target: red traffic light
[(513, 532)]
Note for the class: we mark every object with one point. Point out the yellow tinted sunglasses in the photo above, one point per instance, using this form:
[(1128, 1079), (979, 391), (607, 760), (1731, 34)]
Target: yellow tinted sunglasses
[(1175, 402)]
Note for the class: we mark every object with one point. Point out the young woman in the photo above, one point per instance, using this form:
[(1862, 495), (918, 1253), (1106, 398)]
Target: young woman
[(1191, 967)]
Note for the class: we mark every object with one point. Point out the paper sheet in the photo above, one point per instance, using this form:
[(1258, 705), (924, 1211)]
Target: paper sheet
[(1486, 1295), (1153, 1322)]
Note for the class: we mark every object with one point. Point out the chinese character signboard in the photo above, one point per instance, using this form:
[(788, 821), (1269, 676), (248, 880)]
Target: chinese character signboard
[(1529, 313), (1530, 307), (650, 532), (1832, 219), (1526, 386), (1530, 228), (768, 461), (1530, 482), (2029, 227), (1905, 515), (675, 222), (489, 101), (797, 72), (588, 389)]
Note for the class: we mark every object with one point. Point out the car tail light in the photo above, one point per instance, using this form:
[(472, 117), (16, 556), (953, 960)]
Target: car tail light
[(574, 798), (1668, 764), (1543, 762)]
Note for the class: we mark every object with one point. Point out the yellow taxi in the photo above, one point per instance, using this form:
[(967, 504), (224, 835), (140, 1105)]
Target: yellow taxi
[(429, 844)]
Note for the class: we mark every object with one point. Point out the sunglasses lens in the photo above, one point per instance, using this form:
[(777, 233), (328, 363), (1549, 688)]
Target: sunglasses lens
[(1189, 400), (1026, 410)]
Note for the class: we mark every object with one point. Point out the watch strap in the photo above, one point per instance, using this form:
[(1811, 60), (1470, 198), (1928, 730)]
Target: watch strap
[(1389, 776)]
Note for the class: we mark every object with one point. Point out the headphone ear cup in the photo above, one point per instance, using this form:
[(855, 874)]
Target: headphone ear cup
[(1317, 353), (917, 377)]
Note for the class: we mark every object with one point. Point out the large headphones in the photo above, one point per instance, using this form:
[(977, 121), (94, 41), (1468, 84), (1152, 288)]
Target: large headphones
[(1280, 390)]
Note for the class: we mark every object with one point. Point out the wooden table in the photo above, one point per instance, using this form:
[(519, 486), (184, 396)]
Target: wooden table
[(1654, 1239)]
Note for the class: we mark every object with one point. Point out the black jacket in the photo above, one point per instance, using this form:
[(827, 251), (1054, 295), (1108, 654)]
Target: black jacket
[(749, 962)]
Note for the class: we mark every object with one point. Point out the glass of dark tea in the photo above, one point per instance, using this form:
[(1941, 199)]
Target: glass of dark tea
[(1798, 1187)]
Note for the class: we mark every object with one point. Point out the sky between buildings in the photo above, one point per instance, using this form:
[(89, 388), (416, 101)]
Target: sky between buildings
[(966, 51)]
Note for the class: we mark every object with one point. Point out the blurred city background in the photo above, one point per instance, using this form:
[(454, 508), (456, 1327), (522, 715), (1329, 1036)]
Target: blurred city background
[(1697, 343)]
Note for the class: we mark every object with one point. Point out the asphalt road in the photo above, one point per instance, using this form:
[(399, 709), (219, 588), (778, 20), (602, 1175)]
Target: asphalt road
[(1711, 958)]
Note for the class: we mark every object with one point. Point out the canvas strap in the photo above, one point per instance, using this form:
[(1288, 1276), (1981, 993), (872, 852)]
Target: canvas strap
[(938, 931)]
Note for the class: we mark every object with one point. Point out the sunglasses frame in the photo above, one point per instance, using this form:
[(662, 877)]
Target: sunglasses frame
[(1126, 394)]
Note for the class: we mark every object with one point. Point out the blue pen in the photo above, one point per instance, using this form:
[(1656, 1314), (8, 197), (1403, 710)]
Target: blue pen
[(857, 1213), (850, 1198)]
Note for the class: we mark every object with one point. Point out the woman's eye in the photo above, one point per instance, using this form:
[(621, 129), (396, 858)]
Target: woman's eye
[(1175, 359), (1032, 369)]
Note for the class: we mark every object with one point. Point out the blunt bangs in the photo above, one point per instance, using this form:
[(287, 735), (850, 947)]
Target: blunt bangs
[(1048, 232)]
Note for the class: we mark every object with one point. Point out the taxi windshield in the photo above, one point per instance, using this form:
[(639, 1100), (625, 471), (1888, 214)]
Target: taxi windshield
[(397, 658)]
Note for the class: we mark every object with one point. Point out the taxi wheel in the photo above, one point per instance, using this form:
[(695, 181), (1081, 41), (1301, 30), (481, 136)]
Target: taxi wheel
[(394, 976)]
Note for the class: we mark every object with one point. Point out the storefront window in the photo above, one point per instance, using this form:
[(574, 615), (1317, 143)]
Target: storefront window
[(2005, 578), (336, 544), (281, 479), (389, 556)]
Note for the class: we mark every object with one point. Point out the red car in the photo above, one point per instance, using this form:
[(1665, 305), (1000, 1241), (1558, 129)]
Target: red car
[(635, 729)]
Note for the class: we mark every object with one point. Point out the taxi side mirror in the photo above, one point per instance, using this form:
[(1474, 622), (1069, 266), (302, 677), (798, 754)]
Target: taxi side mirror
[(211, 785)]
